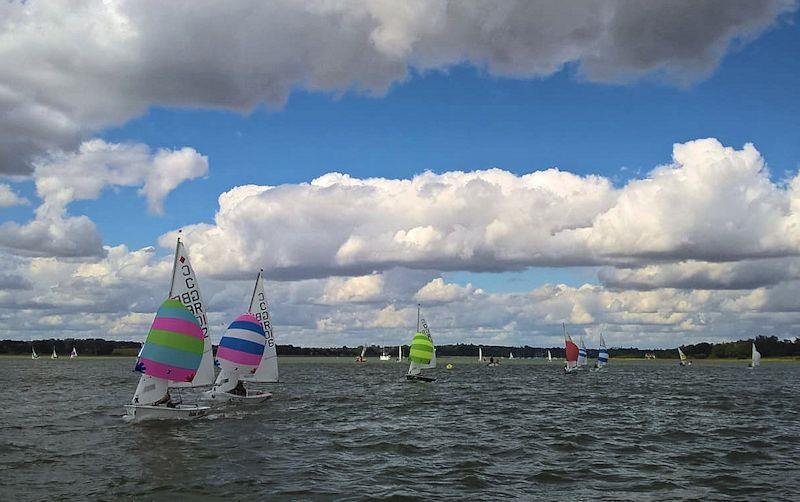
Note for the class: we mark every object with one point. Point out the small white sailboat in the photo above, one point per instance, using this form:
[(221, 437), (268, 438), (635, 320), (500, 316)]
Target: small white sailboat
[(602, 354), (362, 358), (384, 356), (480, 354), (511, 355), (267, 371), (54, 355), (73, 354), (239, 353), (756, 358), (549, 356), (34, 355), (399, 353), (582, 354), (684, 360), (422, 353)]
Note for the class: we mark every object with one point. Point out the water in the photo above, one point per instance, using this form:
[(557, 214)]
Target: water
[(338, 430)]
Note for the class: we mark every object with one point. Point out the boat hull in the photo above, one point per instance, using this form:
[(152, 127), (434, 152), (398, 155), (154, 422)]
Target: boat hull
[(419, 378), (252, 397), (141, 413)]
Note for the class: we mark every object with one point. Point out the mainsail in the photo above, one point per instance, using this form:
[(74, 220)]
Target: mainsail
[(399, 353), (268, 368), (54, 355), (602, 354), (423, 328), (185, 289), (172, 352), (73, 354), (681, 355), (756, 357), (480, 354), (549, 356)]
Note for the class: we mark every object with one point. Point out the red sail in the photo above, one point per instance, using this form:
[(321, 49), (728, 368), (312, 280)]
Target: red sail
[(572, 351)]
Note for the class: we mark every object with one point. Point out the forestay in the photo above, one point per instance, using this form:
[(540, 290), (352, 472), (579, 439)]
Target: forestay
[(185, 289)]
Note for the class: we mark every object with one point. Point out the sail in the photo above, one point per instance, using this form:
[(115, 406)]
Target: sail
[(173, 349), (572, 352), (511, 355), (681, 354), (73, 354), (268, 369), (549, 356), (480, 354), (756, 356), (185, 289), (399, 353), (582, 353), (242, 346), (34, 355), (602, 353), (421, 351), (363, 351), (54, 355), (424, 329)]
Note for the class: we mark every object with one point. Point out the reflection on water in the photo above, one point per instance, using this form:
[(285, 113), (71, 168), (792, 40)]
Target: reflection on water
[(641, 430)]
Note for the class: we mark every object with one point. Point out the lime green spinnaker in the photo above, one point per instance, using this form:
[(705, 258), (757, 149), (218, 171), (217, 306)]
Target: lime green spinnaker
[(421, 350)]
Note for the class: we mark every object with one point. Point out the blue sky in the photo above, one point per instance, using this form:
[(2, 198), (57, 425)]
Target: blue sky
[(466, 119)]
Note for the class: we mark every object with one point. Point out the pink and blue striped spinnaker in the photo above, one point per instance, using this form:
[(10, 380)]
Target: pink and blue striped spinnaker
[(242, 346)]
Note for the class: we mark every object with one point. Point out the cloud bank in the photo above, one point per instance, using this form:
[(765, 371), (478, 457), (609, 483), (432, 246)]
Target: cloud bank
[(70, 69)]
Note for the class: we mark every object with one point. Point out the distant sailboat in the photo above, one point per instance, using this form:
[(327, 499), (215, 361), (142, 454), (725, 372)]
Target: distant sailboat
[(54, 355), (756, 358), (582, 355), (571, 364), (267, 371), (34, 355), (384, 356), (422, 353), (511, 355), (399, 353), (239, 353), (363, 357), (602, 354), (684, 360), (73, 354), (480, 355), (549, 356)]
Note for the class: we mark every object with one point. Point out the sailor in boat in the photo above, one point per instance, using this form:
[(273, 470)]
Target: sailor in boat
[(239, 390)]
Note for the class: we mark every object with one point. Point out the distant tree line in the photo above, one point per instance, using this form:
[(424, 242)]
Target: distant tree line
[(768, 346)]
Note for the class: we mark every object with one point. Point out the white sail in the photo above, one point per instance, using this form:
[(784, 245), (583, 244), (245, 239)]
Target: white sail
[(267, 371), (511, 355), (549, 356), (414, 368), (480, 354), (602, 353), (54, 355), (363, 351), (184, 288), (34, 355), (424, 329), (399, 353), (681, 354), (73, 354), (582, 354), (756, 356)]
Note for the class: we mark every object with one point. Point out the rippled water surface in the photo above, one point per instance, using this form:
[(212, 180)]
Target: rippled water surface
[(339, 430)]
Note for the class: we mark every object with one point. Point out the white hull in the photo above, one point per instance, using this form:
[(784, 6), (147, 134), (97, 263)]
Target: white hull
[(386, 358), (252, 397), (141, 413)]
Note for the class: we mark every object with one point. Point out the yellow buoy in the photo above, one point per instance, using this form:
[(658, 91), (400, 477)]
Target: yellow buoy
[(449, 366)]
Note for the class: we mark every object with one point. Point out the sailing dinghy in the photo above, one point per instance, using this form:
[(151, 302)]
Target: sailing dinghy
[(480, 354), (756, 358), (73, 354), (511, 355), (571, 364), (172, 352), (684, 360), (549, 356), (267, 371), (602, 354), (34, 355), (239, 353), (384, 356), (399, 353), (422, 353), (54, 355), (582, 354)]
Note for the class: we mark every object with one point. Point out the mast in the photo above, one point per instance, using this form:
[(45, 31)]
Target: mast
[(255, 287), (419, 306)]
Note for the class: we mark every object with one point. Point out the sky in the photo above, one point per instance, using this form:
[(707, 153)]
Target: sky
[(625, 168)]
